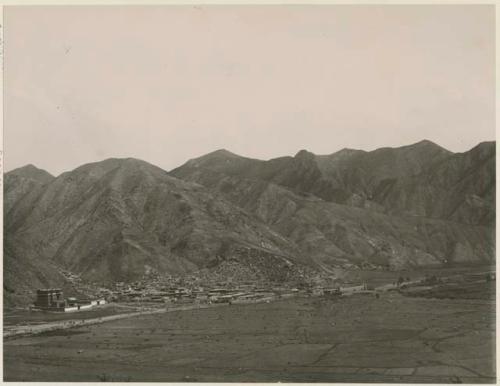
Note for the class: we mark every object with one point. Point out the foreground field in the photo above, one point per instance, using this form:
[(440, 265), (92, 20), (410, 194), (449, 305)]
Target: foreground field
[(359, 338), (26, 317)]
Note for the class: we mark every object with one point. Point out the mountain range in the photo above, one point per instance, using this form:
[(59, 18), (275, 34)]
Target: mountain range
[(118, 219)]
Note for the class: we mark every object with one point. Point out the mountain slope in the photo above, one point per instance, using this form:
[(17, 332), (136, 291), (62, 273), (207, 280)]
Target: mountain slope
[(421, 179), (335, 235), (118, 219), (24, 272), (21, 181), (384, 227), (460, 188)]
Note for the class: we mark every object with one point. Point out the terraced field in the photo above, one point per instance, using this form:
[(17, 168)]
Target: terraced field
[(359, 338)]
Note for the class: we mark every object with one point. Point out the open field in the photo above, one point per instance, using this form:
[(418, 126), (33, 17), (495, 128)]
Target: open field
[(13, 317), (358, 338), (475, 290), (379, 278)]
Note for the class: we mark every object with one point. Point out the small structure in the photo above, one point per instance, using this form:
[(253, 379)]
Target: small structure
[(50, 299), (333, 292)]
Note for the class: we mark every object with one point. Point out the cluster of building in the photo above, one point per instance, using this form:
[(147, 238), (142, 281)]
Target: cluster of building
[(223, 293), (181, 294), (174, 290), (52, 299)]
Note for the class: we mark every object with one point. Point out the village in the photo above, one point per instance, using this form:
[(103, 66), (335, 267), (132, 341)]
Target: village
[(93, 320), (159, 290), (167, 290)]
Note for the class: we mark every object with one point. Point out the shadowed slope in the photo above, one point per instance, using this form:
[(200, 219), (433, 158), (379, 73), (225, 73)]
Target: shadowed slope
[(21, 181), (332, 234), (421, 179), (118, 219)]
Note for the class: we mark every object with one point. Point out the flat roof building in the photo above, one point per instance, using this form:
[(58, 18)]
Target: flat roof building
[(50, 298)]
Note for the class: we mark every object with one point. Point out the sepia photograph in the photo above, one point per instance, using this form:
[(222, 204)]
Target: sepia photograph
[(249, 193)]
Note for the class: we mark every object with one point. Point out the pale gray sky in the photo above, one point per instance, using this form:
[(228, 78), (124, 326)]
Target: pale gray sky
[(165, 84)]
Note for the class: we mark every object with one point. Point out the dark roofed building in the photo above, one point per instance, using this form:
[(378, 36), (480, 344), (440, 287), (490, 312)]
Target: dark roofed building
[(50, 299)]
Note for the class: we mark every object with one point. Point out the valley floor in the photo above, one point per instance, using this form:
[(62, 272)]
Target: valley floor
[(358, 338)]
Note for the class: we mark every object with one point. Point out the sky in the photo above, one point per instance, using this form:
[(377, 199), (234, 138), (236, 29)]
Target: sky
[(168, 83)]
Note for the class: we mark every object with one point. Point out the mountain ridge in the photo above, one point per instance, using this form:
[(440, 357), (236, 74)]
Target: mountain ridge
[(337, 233), (115, 219)]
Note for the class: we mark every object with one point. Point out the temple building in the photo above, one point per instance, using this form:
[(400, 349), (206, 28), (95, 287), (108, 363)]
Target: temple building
[(50, 299)]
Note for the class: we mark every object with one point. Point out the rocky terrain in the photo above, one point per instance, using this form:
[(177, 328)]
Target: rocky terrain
[(22, 181), (414, 205), (422, 179), (116, 220), (113, 219)]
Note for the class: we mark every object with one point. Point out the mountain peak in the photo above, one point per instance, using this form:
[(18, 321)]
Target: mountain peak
[(32, 172), (220, 153), (304, 155), (125, 166), (425, 144), (215, 159), (483, 149), (223, 152), (485, 145)]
